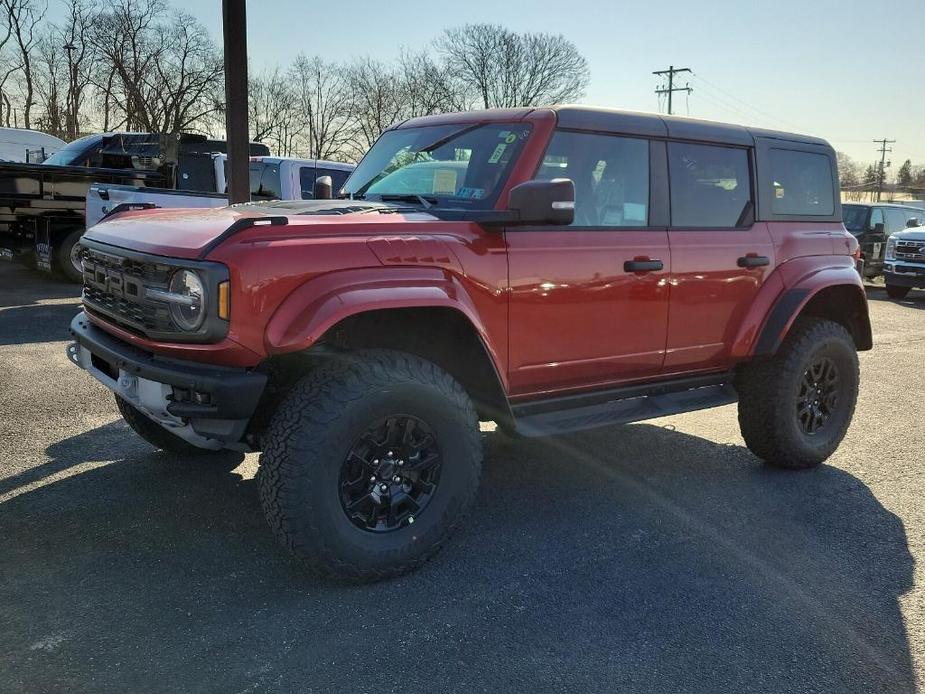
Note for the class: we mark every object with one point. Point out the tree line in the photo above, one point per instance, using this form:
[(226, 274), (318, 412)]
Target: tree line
[(858, 180), (141, 65)]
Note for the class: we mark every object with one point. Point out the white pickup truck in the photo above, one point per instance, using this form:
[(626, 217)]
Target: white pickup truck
[(271, 178)]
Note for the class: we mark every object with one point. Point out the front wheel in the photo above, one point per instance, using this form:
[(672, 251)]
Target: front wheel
[(795, 407), (896, 292), (371, 463)]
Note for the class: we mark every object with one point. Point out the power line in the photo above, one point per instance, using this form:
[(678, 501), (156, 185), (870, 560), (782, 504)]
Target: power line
[(671, 72), (881, 173)]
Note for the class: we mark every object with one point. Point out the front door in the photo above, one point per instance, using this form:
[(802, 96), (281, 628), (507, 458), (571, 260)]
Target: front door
[(589, 302), (720, 256)]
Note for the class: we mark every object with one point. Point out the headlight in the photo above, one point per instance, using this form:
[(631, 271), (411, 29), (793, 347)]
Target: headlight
[(187, 305), (890, 253)]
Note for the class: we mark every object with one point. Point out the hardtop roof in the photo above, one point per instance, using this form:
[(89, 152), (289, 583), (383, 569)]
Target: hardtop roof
[(599, 119)]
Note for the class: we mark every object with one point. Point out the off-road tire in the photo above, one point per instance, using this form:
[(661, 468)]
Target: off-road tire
[(64, 263), (896, 292), (768, 391), (155, 434), (309, 439)]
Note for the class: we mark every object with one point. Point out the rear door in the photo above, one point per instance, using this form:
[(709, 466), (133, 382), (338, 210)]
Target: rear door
[(589, 302), (719, 255)]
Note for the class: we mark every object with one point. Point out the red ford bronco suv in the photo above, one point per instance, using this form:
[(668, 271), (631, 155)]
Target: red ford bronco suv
[(549, 269)]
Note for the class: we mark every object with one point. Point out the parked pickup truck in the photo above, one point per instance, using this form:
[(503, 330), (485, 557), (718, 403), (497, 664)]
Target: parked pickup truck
[(271, 178), (904, 260), (42, 206), (550, 269)]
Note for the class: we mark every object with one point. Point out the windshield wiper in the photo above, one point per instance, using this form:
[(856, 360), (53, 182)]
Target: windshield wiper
[(426, 203)]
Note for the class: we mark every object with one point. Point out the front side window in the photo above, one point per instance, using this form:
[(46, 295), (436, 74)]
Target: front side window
[(802, 183), (710, 185), (307, 175), (611, 177), (458, 165), (876, 217), (896, 220)]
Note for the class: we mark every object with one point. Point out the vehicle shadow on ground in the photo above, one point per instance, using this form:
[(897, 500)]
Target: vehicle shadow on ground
[(914, 299), (23, 319), (20, 286), (632, 559)]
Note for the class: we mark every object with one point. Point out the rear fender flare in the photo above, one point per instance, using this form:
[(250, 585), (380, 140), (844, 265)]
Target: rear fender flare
[(792, 301)]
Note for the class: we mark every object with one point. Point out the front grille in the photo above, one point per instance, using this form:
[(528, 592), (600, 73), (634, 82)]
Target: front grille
[(115, 287), (912, 251)]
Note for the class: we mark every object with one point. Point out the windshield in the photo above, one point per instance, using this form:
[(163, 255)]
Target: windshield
[(67, 154), (854, 217), (465, 166)]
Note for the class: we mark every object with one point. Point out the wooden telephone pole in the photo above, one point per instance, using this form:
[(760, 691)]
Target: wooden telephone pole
[(234, 22)]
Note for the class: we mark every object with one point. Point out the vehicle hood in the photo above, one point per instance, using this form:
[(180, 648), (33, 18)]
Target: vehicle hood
[(188, 233), (910, 235)]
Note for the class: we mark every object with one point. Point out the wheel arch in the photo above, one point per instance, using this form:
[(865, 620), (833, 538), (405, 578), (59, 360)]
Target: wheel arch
[(845, 303), (423, 311)]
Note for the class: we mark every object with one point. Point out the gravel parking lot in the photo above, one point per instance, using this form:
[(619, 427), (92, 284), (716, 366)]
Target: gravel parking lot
[(655, 557)]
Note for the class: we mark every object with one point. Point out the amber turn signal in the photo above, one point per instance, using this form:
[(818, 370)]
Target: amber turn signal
[(224, 300)]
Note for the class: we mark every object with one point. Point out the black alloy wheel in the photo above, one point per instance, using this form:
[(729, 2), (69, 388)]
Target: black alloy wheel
[(818, 395), (390, 474)]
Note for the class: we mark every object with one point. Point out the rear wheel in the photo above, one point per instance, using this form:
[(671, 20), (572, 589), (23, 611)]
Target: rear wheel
[(370, 465), (67, 256), (896, 292), (795, 407)]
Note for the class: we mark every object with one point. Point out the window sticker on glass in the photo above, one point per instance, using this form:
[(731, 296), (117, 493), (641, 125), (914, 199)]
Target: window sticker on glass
[(496, 155), (473, 193), (445, 181)]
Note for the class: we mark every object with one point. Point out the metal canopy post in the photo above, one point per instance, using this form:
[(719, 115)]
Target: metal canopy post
[(234, 22)]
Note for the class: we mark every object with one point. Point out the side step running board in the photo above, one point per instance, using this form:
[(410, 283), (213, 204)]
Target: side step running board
[(636, 407)]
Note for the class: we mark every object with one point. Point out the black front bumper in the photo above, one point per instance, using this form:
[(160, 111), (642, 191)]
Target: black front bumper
[(200, 391), (911, 278)]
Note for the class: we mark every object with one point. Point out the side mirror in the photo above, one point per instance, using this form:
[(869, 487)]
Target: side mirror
[(879, 228), (912, 222), (323, 188), (543, 202)]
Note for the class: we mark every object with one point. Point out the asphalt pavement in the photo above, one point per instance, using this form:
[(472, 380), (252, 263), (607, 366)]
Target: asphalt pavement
[(653, 557)]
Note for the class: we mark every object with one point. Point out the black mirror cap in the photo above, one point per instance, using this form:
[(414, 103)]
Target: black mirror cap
[(879, 228), (323, 188), (543, 202)]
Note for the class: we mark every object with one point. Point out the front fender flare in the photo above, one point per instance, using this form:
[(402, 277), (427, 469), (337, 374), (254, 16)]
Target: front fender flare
[(322, 302)]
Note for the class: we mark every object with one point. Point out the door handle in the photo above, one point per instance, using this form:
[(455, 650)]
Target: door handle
[(642, 265), (754, 261)]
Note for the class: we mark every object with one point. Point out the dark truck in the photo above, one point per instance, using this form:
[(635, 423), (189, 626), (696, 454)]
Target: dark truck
[(42, 206), (872, 224)]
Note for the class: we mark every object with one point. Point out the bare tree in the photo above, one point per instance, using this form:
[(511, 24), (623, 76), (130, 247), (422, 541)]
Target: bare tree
[(274, 117), (162, 75), (376, 100), (126, 42), (506, 69), (74, 34), (429, 86), (23, 16), (323, 97)]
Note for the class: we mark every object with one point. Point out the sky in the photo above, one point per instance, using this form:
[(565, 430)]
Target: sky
[(846, 71)]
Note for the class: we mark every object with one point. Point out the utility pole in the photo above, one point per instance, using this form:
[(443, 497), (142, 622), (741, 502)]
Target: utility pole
[(881, 174), (671, 72), (234, 24)]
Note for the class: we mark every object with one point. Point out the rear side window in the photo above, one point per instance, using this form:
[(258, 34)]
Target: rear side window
[(710, 186), (611, 177), (802, 183)]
